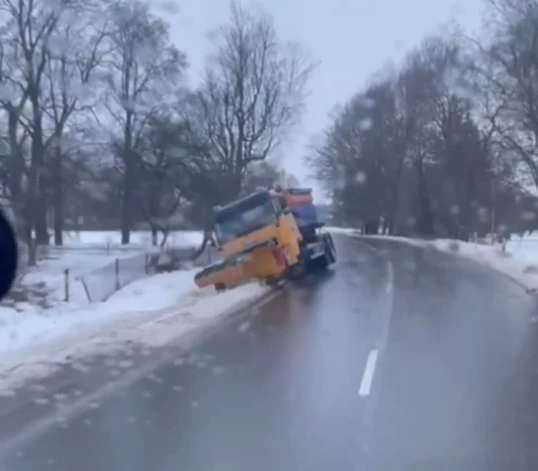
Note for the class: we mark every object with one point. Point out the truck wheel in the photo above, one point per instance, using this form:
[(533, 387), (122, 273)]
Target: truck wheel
[(333, 247), (323, 263), (296, 271), (220, 287), (331, 255), (330, 251)]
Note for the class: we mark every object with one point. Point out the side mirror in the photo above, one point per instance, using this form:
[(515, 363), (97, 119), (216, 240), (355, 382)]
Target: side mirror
[(8, 255)]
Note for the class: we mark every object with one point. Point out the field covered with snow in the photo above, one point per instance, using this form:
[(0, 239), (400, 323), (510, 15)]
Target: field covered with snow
[(87, 253), (139, 240)]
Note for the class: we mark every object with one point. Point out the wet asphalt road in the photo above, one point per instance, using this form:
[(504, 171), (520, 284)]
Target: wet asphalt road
[(398, 359)]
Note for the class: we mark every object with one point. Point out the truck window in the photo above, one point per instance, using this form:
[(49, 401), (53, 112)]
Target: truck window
[(241, 223)]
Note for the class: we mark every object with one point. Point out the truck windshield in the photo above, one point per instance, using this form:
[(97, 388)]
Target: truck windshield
[(244, 221)]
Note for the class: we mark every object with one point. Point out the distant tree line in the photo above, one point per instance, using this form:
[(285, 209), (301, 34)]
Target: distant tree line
[(445, 145)]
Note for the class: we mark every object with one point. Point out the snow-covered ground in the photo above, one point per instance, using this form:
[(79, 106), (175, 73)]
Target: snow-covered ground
[(37, 324), (342, 230), (139, 239), (153, 311), (43, 287), (519, 261), (83, 253)]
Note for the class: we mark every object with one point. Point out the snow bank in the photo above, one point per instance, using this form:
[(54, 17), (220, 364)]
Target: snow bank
[(522, 267), (153, 311), (519, 262), (343, 230), (32, 329), (525, 248)]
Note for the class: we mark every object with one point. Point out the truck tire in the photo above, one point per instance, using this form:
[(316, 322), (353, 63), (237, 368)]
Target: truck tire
[(220, 287), (330, 250), (296, 271)]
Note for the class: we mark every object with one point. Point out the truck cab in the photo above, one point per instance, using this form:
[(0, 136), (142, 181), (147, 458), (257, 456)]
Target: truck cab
[(257, 238), (254, 221), (269, 235)]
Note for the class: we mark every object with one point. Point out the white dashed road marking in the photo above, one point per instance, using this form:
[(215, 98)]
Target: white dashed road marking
[(368, 375)]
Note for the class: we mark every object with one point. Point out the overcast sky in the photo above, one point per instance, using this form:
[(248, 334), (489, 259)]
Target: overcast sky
[(351, 38)]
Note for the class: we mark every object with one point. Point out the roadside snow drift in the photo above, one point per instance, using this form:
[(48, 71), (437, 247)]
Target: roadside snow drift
[(519, 262), (342, 230), (152, 312), (520, 267)]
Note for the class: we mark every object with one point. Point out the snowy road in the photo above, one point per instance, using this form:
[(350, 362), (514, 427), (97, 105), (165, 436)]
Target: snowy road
[(400, 359)]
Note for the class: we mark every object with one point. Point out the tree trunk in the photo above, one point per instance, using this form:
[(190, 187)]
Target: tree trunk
[(58, 220), (42, 233), (41, 206), (371, 227), (39, 195), (425, 219), (166, 233), (126, 216), (58, 200), (32, 252), (154, 234), (208, 229)]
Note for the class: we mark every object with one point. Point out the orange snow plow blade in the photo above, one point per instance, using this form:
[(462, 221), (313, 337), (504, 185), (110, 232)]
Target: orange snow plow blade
[(222, 275), (263, 261)]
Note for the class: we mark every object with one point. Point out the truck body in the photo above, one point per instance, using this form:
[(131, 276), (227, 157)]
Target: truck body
[(270, 235)]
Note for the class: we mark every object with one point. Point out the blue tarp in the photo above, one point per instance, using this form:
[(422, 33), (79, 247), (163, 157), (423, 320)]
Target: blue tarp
[(305, 215)]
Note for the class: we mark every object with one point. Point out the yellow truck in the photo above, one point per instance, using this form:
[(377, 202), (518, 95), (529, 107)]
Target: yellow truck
[(270, 235)]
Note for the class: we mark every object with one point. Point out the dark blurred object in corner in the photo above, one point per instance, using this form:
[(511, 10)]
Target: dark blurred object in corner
[(8, 255)]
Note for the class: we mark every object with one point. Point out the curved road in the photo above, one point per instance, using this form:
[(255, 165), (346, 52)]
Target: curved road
[(399, 359)]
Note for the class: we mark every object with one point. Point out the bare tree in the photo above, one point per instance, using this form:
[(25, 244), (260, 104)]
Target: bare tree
[(13, 158), (80, 48), (162, 186), (144, 72), (511, 63), (26, 46), (407, 153), (253, 95)]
